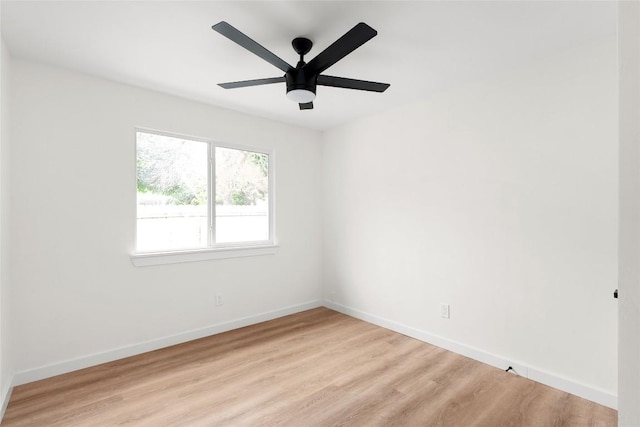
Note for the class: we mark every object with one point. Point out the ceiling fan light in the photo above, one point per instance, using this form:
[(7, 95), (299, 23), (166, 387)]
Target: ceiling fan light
[(301, 96)]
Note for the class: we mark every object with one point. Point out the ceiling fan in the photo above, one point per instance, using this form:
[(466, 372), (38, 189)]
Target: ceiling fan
[(302, 79)]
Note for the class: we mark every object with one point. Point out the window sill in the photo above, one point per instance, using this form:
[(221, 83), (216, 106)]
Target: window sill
[(161, 258)]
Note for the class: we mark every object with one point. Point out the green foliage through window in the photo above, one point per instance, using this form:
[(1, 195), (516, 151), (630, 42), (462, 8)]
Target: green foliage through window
[(171, 167), (176, 169)]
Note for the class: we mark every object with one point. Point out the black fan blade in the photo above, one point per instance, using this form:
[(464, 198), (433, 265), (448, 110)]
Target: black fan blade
[(256, 82), (352, 83), (252, 46), (353, 39), (306, 106)]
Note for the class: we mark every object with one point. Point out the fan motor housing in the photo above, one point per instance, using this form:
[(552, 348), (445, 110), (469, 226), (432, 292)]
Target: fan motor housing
[(298, 79)]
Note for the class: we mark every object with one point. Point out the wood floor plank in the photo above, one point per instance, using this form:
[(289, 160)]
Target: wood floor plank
[(316, 368)]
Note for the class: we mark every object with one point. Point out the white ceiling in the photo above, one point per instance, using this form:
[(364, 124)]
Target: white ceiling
[(421, 47)]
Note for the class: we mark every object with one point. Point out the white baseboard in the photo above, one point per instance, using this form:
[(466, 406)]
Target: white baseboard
[(71, 365), (587, 392), (5, 397)]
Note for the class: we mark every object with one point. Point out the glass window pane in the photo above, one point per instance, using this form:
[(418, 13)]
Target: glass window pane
[(172, 175), (242, 196)]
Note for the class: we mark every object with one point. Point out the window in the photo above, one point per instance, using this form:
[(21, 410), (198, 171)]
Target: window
[(194, 194)]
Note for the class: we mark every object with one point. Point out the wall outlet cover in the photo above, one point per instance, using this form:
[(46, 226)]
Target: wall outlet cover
[(444, 311)]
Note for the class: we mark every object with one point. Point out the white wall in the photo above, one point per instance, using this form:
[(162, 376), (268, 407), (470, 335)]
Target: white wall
[(629, 245), (73, 221), (499, 199), (6, 364)]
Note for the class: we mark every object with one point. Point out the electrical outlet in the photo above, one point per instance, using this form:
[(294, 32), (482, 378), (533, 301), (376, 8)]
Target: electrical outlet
[(332, 296), (444, 311), (219, 299)]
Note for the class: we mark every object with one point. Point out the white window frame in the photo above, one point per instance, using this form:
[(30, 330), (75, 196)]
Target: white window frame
[(213, 250)]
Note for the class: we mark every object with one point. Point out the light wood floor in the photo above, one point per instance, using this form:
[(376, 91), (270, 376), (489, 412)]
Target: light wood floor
[(317, 368)]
